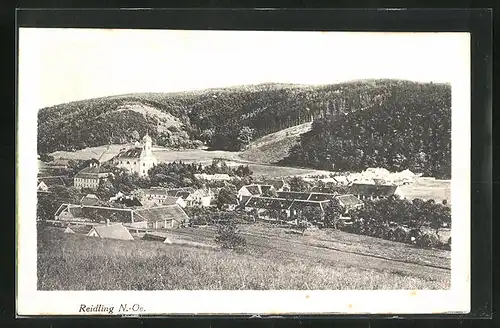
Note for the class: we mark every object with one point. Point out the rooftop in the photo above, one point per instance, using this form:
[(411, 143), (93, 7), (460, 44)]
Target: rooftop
[(372, 189), (113, 231), (169, 212), (134, 152)]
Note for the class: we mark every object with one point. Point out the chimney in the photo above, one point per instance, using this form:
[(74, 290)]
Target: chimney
[(107, 223)]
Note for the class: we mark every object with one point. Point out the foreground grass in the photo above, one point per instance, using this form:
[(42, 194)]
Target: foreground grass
[(72, 262)]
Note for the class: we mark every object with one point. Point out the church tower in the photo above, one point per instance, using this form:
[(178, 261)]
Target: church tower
[(147, 143)]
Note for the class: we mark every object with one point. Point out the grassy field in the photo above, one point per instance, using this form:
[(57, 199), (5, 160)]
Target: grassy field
[(73, 262), (426, 188)]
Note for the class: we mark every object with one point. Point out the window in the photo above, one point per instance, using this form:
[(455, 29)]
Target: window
[(128, 162), (143, 164), (135, 163)]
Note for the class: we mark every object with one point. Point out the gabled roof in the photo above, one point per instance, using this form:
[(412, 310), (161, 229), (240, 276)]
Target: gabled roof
[(169, 212), (293, 195), (277, 184), (349, 200), (176, 191), (89, 199), (253, 189), (79, 229), (134, 152), (318, 196), (93, 172), (372, 189), (52, 181), (170, 200), (268, 203), (100, 212), (113, 231)]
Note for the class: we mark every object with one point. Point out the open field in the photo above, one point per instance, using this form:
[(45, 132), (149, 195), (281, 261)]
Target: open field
[(191, 155), (272, 260), (427, 188)]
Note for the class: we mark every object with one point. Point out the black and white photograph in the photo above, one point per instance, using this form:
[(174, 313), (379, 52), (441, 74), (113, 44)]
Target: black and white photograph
[(243, 171)]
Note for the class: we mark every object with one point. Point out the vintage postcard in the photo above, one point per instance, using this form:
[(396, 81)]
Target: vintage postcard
[(242, 172)]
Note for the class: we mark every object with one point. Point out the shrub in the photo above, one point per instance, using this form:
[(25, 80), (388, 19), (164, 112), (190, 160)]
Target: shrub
[(229, 238)]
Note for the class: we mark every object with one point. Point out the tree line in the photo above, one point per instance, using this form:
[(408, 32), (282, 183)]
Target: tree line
[(410, 130)]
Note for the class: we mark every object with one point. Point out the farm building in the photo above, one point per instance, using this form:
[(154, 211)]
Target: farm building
[(91, 176), (59, 163), (44, 184), (313, 196), (139, 159), (170, 216), (289, 206), (184, 196), (160, 196), (278, 185), (155, 217), (200, 197), (111, 231), (78, 229), (254, 190), (373, 192), (71, 212), (89, 199), (349, 202)]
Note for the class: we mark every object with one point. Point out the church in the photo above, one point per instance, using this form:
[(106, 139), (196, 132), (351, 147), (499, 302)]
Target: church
[(138, 159)]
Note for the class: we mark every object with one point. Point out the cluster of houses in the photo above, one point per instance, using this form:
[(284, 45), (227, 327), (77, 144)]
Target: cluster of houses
[(161, 208)]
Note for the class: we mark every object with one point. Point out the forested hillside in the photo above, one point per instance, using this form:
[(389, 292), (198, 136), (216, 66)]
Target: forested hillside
[(410, 129), (214, 116)]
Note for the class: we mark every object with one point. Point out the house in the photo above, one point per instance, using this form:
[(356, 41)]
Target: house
[(313, 196), (89, 199), (278, 185), (94, 213), (59, 163), (42, 187), (91, 176), (127, 200), (254, 190), (139, 159), (46, 183), (290, 206), (170, 216), (200, 197), (349, 202), (111, 231), (161, 196), (374, 192)]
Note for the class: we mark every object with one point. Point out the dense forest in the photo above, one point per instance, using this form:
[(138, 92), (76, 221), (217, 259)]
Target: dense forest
[(411, 129), (214, 116)]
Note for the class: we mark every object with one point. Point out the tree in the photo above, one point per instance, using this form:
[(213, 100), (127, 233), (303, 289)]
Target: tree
[(226, 196), (228, 237), (106, 190), (333, 212), (245, 136), (298, 184), (270, 192)]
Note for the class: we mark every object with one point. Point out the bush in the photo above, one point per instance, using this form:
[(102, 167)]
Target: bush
[(229, 238)]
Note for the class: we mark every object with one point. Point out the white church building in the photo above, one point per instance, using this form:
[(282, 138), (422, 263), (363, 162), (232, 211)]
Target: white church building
[(138, 159)]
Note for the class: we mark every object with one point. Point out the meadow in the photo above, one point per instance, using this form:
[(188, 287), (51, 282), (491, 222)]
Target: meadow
[(74, 262)]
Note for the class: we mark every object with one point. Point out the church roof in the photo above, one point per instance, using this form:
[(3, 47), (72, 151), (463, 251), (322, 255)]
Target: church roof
[(134, 152)]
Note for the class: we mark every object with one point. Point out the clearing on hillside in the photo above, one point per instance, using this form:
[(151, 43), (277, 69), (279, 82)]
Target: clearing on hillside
[(275, 146)]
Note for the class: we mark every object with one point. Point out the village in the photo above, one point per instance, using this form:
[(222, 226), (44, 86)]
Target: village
[(297, 202)]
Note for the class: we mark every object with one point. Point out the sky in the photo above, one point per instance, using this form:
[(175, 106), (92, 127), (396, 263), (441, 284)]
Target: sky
[(62, 65)]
